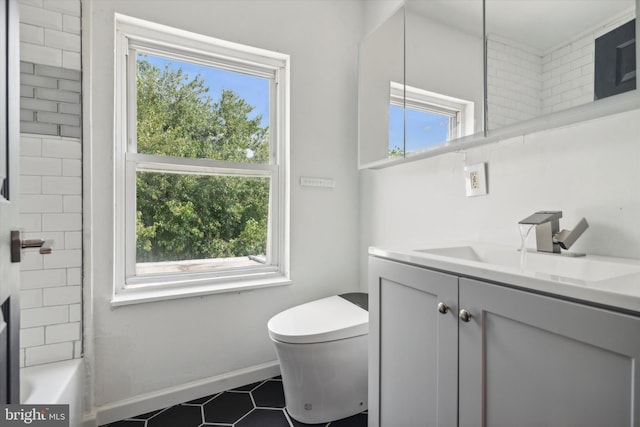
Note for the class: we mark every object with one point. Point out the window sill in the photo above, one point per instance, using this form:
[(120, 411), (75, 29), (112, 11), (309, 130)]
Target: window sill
[(140, 295)]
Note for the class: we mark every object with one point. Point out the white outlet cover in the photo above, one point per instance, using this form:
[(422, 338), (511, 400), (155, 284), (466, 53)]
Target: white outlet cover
[(475, 180)]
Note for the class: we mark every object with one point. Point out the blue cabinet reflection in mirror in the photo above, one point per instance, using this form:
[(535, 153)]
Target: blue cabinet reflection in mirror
[(615, 61)]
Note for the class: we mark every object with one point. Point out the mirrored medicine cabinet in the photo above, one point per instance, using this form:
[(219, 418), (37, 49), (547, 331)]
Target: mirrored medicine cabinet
[(444, 75)]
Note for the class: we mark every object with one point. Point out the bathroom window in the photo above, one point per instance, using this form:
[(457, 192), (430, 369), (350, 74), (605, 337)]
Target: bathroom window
[(419, 119), (202, 150)]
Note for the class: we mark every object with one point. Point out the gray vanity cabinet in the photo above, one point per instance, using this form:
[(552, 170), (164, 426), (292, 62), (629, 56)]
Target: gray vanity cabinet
[(413, 360), (521, 359), (533, 360)]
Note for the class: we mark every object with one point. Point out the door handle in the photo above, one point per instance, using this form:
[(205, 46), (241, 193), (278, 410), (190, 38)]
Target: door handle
[(18, 244)]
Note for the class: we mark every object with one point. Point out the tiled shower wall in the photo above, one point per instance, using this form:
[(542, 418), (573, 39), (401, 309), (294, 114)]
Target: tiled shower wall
[(51, 180), (523, 84), (513, 83)]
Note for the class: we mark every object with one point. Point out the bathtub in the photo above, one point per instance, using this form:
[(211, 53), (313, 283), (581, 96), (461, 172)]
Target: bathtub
[(55, 383)]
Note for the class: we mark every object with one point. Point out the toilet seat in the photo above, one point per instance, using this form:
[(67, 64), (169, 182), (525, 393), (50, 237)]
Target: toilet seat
[(327, 319)]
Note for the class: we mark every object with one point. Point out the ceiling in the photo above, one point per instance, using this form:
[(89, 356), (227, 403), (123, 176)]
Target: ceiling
[(539, 24)]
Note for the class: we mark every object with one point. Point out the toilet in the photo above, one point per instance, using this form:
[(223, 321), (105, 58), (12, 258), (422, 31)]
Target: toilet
[(322, 349)]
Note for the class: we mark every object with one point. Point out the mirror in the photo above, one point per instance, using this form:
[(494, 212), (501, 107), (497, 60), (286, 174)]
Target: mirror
[(444, 73), (381, 61), (420, 80), (546, 56)]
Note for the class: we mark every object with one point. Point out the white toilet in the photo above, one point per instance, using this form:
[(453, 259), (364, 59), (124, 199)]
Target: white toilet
[(322, 349)]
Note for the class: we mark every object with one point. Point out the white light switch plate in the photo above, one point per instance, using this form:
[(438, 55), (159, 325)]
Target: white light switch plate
[(307, 181), (475, 179)]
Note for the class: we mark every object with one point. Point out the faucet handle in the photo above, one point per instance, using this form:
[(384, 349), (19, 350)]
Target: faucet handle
[(566, 238)]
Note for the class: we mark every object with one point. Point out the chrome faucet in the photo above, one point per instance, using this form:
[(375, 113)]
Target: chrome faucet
[(549, 238)]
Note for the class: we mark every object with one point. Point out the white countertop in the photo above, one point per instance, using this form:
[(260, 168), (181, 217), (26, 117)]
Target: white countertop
[(608, 281)]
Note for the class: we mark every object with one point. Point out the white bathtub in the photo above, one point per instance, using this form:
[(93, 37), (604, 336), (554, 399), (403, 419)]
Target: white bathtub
[(55, 383)]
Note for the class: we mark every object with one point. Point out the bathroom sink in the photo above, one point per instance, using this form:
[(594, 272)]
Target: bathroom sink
[(606, 281), (558, 267)]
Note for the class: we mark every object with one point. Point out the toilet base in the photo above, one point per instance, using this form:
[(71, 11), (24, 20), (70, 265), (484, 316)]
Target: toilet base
[(326, 381)]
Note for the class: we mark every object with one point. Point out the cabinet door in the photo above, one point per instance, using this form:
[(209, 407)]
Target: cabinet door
[(413, 373), (531, 360)]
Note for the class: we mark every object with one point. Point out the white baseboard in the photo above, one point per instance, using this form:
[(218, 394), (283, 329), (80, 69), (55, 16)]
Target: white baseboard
[(142, 404)]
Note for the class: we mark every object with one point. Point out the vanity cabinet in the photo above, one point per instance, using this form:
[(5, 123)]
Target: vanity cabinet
[(413, 359), (520, 359)]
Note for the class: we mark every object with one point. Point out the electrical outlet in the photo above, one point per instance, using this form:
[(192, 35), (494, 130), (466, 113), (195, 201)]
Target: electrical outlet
[(475, 180)]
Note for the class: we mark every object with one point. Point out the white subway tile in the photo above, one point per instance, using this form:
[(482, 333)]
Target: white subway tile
[(74, 276), (30, 260), (572, 94), (73, 240), (31, 222), (582, 61), (572, 56), (569, 76), (72, 203), (30, 146), (68, 7), (62, 295), (30, 184), (40, 54), (560, 88), (61, 185), (71, 24), (61, 40), (40, 17), (40, 166), (62, 333), (588, 69), (33, 317), (63, 258), (30, 298), (38, 279), (31, 337), (22, 357), (71, 60), (582, 81), (31, 34), (62, 222), (48, 353), (40, 203), (559, 71), (75, 312), (62, 148), (71, 167), (589, 50)]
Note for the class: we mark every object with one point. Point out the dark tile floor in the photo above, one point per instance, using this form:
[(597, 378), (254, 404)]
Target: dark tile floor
[(255, 405)]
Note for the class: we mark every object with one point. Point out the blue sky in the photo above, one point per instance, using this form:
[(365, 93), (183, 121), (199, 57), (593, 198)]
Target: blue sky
[(422, 129), (254, 90)]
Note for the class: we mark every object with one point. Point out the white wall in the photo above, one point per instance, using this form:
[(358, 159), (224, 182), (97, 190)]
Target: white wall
[(588, 169), (145, 348)]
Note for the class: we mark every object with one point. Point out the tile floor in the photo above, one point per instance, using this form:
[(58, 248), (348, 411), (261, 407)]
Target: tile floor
[(255, 405)]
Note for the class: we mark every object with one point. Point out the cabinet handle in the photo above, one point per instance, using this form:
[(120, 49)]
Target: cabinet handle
[(464, 315), (443, 308)]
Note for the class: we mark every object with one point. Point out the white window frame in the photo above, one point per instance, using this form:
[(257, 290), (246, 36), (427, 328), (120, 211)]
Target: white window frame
[(134, 35), (460, 110)]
